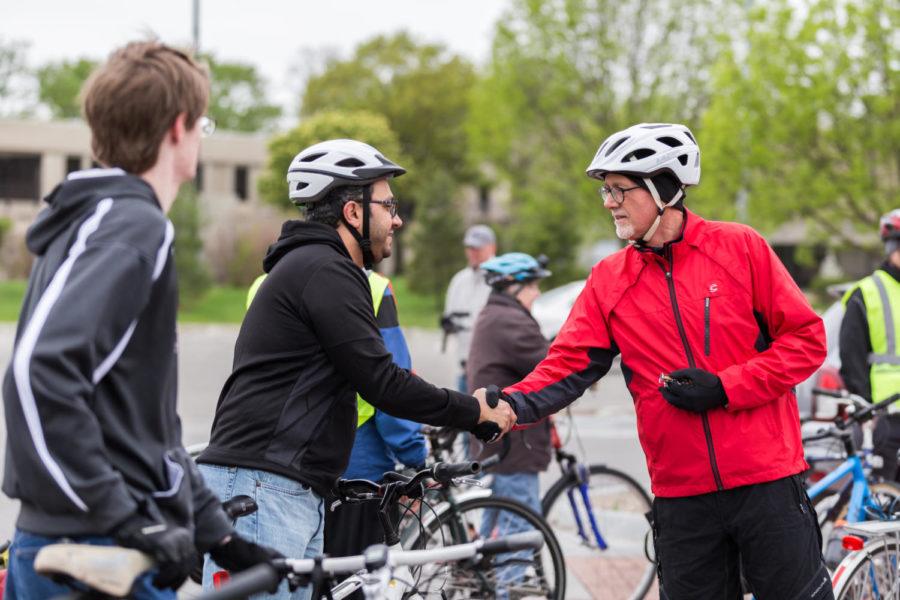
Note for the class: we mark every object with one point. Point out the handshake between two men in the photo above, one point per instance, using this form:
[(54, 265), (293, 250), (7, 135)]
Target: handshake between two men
[(497, 418)]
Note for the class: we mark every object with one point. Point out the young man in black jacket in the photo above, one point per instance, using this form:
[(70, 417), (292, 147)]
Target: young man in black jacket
[(286, 418), (94, 449)]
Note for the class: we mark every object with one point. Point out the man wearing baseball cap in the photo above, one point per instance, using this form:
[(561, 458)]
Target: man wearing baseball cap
[(468, 293)]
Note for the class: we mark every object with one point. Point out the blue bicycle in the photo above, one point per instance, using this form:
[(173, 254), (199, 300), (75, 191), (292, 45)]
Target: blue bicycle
[(857, 498)]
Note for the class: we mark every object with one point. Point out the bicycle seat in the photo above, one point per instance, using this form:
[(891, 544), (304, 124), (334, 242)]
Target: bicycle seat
[(874, 528), (107, 569)]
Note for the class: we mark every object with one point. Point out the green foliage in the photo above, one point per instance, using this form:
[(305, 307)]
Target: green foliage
[(564, 75), (11, 295), (238, 99), (193, 277), (806, 117), (60, 86), (15, 97), (414, 309), (5, 226), (364, 126), (436, 235)]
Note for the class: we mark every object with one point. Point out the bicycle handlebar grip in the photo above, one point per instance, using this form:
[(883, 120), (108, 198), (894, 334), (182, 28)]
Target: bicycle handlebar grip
[(492, 395), (444, 472), (527, 540), (486, 431), (261, 578)]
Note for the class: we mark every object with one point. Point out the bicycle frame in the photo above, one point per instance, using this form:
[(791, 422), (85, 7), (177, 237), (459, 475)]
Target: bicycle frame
[(860, 496), (579, 471)]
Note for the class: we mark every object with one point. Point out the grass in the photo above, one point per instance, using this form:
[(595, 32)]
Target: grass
[(226, 305)]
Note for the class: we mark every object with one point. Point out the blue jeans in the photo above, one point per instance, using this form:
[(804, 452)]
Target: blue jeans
[(288, 519), (23, 583), (525, 488)]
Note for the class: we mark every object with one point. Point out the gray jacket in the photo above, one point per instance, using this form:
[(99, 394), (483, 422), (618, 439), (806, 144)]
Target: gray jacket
[(92, 431), (506, 345)]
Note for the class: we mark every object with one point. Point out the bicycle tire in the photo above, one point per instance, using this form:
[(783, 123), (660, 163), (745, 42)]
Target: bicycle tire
[(631, 570), (460, 523), (853, 577)]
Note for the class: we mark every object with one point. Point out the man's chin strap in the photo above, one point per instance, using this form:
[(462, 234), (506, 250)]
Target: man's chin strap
[(365, 244), (660, 207)]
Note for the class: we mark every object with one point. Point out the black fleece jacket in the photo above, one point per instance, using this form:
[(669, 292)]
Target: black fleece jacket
[(92, 432), (855, 343), (308, 343)]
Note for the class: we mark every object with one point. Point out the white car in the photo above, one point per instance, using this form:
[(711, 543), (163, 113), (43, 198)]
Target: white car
[(552, 308)]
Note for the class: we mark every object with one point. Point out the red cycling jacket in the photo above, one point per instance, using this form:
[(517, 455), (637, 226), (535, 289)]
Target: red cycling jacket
[(718, 299)]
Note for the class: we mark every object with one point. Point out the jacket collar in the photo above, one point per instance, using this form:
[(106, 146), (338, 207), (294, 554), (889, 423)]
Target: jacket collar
[(693, 232)]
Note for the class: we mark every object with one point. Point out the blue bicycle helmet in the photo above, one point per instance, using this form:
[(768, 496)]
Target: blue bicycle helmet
[(513, 267)]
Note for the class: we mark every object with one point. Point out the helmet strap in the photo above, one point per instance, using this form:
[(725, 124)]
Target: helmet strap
[(660, 207), (365, 244)]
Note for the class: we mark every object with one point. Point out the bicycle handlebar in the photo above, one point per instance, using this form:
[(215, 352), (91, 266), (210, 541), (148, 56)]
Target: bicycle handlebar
[(261, 578), (265, 577), (363, 489)]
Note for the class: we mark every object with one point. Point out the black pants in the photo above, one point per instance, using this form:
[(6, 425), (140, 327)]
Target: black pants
[(768, 530), (886, 439)]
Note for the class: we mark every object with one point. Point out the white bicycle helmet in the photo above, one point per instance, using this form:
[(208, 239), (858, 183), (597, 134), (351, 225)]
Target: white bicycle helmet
[(647, 150), (336, 163), (340, 163)]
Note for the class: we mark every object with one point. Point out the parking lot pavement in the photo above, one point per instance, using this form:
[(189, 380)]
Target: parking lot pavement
[(604, 417)]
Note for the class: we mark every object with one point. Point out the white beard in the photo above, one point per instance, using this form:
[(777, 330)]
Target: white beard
[(624, 230)]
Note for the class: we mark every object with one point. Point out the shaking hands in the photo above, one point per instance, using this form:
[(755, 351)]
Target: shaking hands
[(496, 419)]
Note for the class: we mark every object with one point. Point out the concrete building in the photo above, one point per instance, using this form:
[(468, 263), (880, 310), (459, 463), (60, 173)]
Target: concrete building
[(36, 155)]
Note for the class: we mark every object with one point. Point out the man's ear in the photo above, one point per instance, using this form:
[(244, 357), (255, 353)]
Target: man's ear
[(178, 128), (352, 213)]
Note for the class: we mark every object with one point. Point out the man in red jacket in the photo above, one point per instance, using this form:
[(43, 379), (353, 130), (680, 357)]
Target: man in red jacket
[(713, 334)]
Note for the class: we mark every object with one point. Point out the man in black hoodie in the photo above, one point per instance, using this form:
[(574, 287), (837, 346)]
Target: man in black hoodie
[(286, 418), (94, 449)]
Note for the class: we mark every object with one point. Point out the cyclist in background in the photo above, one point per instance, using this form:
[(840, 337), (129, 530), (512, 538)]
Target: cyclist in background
[(286, 419), (713, 335), (467, 294), (870, 358), (506, 345), (94, 449)]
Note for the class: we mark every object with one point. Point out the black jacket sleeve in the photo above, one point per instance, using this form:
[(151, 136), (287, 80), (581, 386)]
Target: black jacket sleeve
[(855, 347), (345, 325)]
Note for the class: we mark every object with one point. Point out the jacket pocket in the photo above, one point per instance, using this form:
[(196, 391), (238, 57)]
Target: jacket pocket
[(706, 310)]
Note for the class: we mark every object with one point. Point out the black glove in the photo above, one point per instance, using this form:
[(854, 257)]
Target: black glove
[(448, 325), (237, 554), (695, 390), (171, 547)]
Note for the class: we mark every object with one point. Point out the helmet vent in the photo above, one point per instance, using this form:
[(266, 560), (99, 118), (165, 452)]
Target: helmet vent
[(616, 145), (683, 160), (350, 162), (313, 157), (639, 154), (670, 141), (688, 133), (300, 185)]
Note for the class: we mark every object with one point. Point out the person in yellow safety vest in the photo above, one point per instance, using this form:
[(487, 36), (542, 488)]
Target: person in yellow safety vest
[(382, 441), (870, 355)]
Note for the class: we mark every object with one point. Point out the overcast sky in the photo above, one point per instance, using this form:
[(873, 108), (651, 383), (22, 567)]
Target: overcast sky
[(275, 35)]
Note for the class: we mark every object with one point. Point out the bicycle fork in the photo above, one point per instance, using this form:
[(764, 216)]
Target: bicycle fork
[(582, 477)]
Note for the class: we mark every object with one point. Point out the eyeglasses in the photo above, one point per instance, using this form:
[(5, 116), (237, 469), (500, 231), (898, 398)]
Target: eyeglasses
[(392, 205), (207, 125), (616, 194)]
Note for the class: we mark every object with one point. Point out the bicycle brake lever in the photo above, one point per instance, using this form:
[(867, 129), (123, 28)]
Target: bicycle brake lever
[(467, 481)]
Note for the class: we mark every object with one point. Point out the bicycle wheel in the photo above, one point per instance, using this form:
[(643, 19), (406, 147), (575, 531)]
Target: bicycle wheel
[(872, 573), (619, 505), (516, 575)]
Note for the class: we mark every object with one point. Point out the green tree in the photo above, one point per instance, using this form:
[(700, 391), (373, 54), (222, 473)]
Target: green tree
[(435, 234), (369, 127), (15, 80), (193, 276), (806, 117), (238, 99), (564, 74), (423, 92), (60, 85)]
